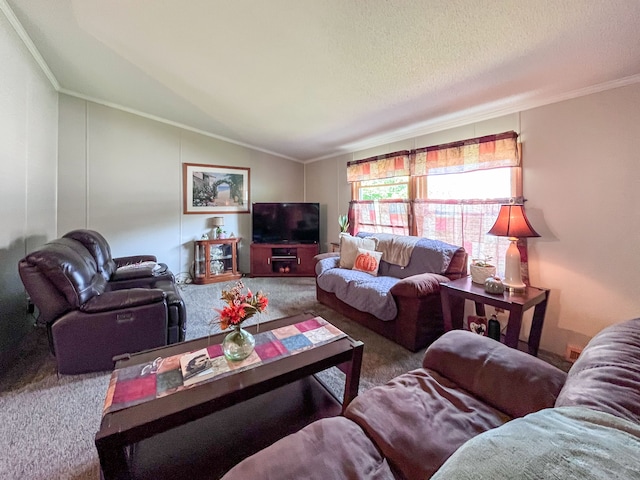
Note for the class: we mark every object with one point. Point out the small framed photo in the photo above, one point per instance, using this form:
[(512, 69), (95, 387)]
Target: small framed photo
[(477, 324), (215, 189)]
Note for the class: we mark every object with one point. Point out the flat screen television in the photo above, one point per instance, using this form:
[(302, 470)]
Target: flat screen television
[(286, 222)]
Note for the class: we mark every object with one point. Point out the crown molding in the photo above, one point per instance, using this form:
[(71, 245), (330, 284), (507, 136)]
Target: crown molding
[(474, 115), (26, 39), (172, 123), (445, 122)]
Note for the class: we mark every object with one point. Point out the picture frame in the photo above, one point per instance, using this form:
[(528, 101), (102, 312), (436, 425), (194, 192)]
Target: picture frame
[(211, 189), (477, 324)]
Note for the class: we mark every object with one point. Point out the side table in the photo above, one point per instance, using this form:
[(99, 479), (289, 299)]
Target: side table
[(516, 303)]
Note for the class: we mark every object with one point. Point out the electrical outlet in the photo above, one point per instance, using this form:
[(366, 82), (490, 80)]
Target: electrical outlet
[(573, 352)]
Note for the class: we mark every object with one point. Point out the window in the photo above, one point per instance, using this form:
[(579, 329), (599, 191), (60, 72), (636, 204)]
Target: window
[(460, 208), (479, 184), (383, 189), (449, 192)]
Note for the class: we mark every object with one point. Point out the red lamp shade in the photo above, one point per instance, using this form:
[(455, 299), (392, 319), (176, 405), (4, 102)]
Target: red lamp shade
[(512, 222)]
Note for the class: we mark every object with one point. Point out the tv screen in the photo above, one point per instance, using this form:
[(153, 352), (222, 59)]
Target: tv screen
[(286, 222)]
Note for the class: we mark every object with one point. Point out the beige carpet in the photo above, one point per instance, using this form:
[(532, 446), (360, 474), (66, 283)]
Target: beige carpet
[(49, 422)]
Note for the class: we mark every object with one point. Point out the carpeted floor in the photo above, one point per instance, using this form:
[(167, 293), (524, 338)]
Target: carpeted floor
[(49, 421)]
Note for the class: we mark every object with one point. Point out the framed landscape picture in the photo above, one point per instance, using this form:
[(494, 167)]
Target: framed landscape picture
[(215, 189)]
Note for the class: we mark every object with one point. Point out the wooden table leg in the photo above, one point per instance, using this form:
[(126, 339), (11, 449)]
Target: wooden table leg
[(352, 380), (113, 460), (536, 325), (446, 309), (514, 326)]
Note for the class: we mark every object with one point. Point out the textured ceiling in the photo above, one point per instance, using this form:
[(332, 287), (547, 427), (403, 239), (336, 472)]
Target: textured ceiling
[(307, 79)]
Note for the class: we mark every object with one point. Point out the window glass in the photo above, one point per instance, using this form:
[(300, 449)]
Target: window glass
[(479, 184), (384, 189)]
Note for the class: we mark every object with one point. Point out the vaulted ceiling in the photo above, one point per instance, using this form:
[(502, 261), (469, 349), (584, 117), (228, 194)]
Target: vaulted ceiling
[(308, 79)]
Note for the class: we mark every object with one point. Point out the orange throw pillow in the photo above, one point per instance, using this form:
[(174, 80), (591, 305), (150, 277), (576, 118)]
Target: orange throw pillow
[(367, 261)]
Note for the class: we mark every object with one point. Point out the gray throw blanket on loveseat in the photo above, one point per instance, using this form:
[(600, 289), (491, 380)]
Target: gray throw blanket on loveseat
[(371, 294)]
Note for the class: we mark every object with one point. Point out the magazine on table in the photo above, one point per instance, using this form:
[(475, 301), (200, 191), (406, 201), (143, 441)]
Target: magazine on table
[(195, 366)]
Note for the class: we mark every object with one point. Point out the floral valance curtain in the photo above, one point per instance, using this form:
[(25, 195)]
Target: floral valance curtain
[(490, 151), (479, 153), (384, 166)]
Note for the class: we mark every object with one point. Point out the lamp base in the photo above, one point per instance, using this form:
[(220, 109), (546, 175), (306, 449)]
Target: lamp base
[(512, 277), (515, 288)]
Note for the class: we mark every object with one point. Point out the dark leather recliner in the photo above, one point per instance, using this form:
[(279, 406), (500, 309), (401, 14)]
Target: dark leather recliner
[(121, 272), (89, 319)]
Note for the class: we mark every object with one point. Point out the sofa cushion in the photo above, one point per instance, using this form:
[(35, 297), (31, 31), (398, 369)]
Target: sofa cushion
[(99, 248), (570, 443), (367, 261), (420, 418), (606, 376), (70, 268), (362, 291), (484, 367), (349, 249), (332, 448)]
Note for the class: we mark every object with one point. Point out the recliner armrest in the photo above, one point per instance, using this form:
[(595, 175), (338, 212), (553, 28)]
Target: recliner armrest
[(122, 299), (88, 341), (417, 286), (133, 271), (122, 261)]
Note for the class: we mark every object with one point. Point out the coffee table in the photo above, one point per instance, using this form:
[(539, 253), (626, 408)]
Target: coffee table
[(203, 431)]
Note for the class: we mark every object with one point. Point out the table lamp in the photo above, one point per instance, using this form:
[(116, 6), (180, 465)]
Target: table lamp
[(218, 223), (512, 222)]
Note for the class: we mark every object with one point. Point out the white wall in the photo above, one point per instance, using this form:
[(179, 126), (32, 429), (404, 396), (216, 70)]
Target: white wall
[(581, 176), (121, 174), (28, 151)]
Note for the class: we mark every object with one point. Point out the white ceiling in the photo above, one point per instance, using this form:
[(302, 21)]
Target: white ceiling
[(308, 79)]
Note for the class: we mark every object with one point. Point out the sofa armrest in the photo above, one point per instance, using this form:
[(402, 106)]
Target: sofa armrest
[(508, 379), (417, 286), (122, 261), (123, 299), (458, 265), (326, 261)]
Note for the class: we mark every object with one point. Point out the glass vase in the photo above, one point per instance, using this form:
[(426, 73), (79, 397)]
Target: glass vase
[(238, 344)]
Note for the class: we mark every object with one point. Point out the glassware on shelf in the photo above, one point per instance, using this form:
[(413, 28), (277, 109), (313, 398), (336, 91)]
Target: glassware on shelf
[(217, 267), (217, 252)]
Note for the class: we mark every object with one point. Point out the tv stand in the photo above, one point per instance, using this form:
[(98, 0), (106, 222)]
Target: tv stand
[(283, 259)]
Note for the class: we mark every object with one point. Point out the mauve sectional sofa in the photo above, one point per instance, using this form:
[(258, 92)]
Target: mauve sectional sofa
[(484, 411)]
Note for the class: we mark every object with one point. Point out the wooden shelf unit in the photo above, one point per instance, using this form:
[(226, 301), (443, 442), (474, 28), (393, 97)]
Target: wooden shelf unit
[(215, 260), (282, 260)]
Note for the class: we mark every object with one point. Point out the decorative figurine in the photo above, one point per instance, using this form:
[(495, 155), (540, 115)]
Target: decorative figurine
[(494, 285)]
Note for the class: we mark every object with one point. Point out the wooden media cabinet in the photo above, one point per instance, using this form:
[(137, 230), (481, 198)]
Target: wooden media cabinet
[(277, 259)]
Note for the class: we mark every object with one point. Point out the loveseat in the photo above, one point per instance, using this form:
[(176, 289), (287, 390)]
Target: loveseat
[(401, 300), (96, 307), (479, 410)]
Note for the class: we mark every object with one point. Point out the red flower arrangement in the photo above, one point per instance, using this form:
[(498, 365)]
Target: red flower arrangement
[(240, 306)]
